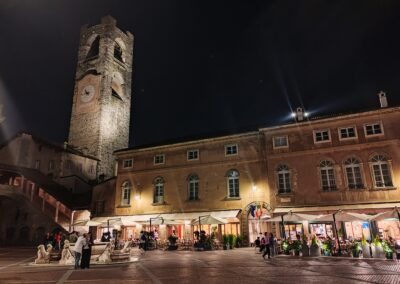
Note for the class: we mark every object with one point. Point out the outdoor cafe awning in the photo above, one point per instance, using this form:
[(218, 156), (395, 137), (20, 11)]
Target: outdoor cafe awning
[(361, 206), (176, 218)]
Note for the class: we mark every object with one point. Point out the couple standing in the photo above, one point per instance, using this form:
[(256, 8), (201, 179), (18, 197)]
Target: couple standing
[(83, 248)]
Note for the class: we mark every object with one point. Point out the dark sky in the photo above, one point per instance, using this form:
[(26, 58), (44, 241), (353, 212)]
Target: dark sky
[(202, 67)]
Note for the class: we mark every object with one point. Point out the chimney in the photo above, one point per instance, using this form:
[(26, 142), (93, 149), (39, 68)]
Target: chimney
[(299, 114), (382, 99)]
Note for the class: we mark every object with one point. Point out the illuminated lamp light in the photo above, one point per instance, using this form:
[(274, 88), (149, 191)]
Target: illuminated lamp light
[(306, 114), (293, 114)]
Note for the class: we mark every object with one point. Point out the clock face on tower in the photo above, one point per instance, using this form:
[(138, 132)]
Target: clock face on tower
[(87, 93)]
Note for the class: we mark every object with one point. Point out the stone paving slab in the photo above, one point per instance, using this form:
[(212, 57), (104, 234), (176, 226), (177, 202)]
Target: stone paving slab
[(234, 266)]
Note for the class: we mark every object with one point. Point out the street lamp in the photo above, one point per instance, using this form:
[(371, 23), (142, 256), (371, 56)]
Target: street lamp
[(155, 218)]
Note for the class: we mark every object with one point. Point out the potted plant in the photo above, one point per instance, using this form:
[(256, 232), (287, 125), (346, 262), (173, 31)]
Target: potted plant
[(377, 249), (239, 241), (305, 250), (356, 248), (225, 241), (388, 250), (286, 247), (366, 248), (172, 242), (296, 247), (314, 249), (231, 240), (327, 248)]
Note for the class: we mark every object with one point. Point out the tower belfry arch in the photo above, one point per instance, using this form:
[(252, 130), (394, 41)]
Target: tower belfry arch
[(102, 95)]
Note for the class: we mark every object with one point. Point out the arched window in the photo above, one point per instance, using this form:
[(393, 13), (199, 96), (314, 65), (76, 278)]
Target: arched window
[(381, 173), (353, 173), (118, 52), (193, 187), (158, 190), (283, 173), (94, 48), (233, 184), (126, 193), (327, 176)]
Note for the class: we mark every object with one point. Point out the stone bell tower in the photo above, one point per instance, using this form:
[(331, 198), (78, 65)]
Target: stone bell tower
[(102, 94)]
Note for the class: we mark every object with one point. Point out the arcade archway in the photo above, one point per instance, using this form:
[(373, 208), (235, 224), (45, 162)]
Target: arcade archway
[(257, 212)]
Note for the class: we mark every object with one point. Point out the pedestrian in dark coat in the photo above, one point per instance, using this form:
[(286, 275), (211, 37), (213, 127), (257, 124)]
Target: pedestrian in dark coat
[(87, 251)]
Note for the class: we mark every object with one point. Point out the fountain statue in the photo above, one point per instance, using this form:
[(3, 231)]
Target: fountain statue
[(66, 255), (105, 257), (43, 256)]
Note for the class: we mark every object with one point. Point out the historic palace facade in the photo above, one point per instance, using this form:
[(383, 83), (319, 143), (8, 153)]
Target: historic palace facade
[(313, 165)]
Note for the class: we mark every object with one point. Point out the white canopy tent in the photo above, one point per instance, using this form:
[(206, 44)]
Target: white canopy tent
[(209, 220), (343, 216), (392, 215), (293, 217)]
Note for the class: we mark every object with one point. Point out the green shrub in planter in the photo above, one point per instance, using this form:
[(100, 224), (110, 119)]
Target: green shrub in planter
[(356, 249), (388, 250), (286, 247), (305, 250), (314, 249), (225, 241), (296, 247), (377, 248), (239, 241), (231, 239), (326, 248)]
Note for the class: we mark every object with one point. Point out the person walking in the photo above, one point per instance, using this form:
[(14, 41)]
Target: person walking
[(271, 244), (57, 240), (78, 249), (267, 248)]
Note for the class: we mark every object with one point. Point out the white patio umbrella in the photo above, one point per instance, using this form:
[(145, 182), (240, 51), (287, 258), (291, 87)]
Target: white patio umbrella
[(87, 223), (293, 217), (343, 216), (392, 215), (208, 220), (120, 222), (174, 222)]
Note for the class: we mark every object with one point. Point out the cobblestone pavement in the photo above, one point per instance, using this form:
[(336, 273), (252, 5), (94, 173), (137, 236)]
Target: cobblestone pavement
[(235, 266)]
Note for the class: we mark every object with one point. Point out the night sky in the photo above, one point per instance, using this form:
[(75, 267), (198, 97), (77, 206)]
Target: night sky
[(203, 67)]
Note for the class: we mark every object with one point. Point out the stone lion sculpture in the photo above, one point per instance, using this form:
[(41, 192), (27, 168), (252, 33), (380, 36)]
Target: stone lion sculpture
[(105, 257), (43, 256), (66, 255), (127, 247)]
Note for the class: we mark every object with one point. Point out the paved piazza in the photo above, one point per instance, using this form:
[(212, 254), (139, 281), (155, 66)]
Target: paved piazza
[(235, 266)]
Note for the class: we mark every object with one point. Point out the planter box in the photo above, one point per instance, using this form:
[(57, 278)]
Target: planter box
[(305, 250), (366, 251), (377, 252), (315, 251), (356, 253)]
